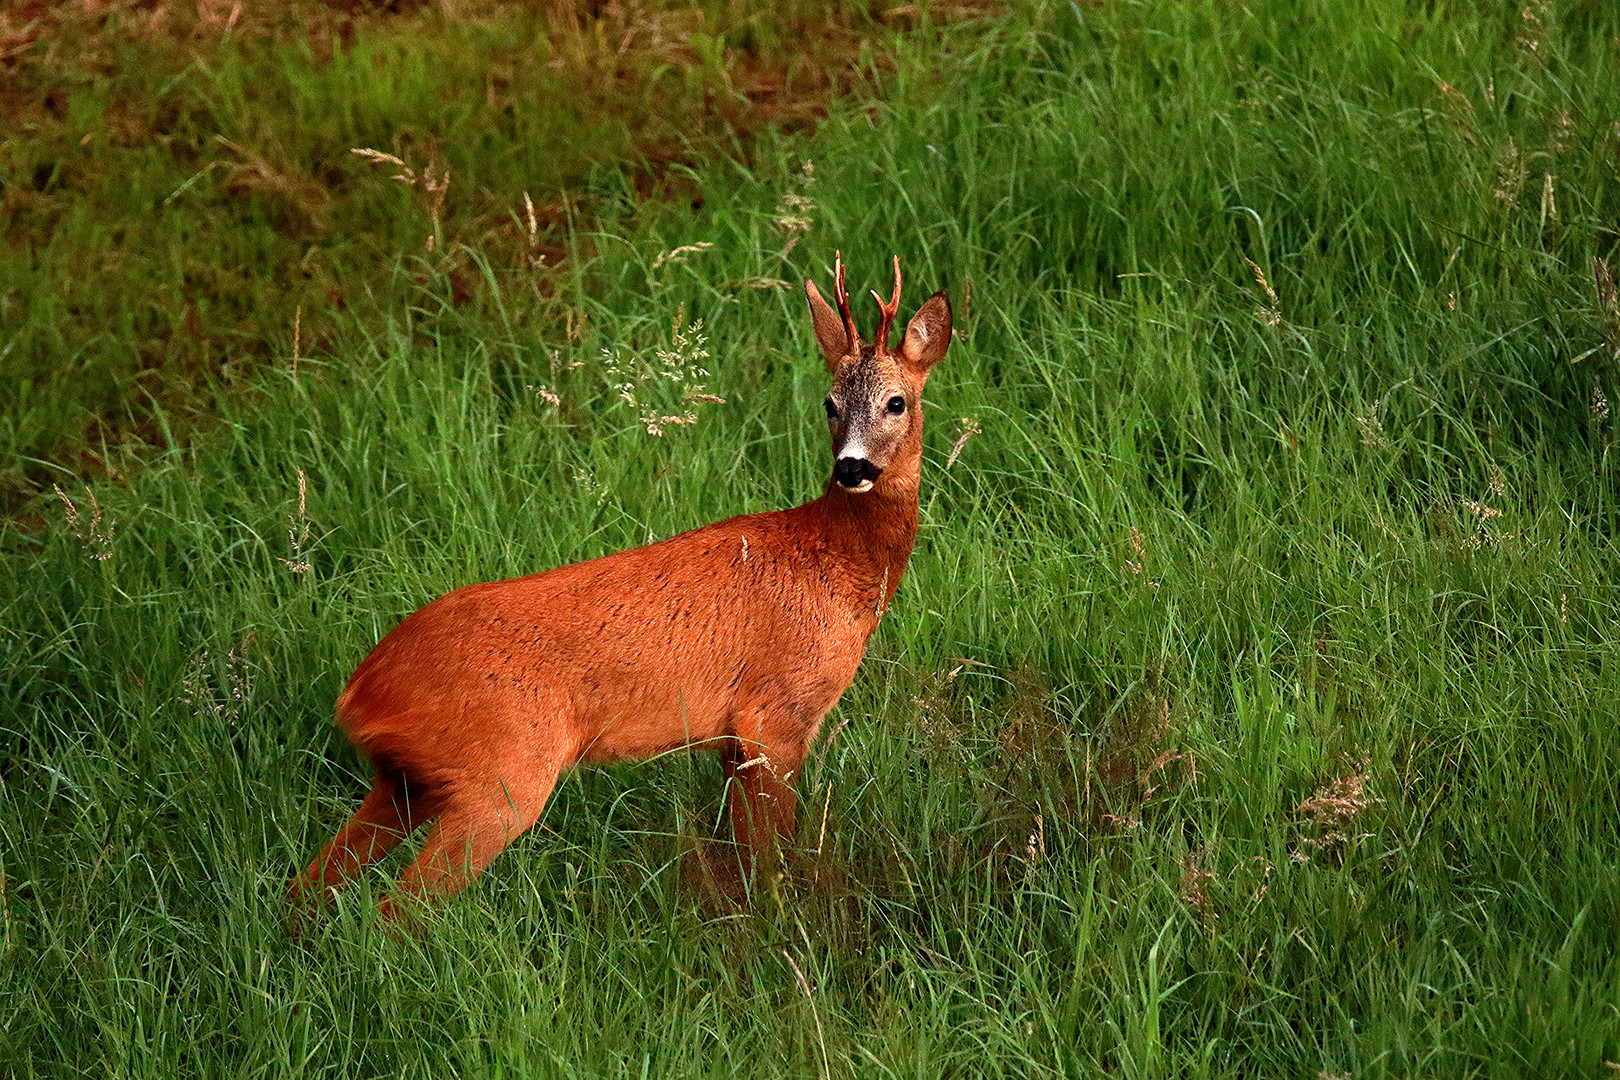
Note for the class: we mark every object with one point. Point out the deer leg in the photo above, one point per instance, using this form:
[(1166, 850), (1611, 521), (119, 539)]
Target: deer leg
[(763, 807), (385, 818), (473, 828)]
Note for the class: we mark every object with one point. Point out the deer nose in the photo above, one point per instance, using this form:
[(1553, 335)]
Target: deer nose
[(852, 471)]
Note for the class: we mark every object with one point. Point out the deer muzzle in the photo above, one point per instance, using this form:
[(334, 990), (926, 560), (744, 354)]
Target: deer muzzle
[(855, 474)]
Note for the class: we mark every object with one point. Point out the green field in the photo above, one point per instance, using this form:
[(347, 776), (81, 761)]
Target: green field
[(1249, 708)]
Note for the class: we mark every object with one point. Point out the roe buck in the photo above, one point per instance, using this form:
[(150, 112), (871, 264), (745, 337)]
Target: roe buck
[(738, 636)]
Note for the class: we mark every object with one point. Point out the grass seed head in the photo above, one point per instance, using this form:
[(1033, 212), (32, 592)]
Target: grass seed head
[(1563, 134), (795, 210), (679, 367), (299, 529), (1195, 879), (222, 703), (1510, 174), (1535, 29), (968, 427), (1373, 435), (436, 188), (96, 535), (678, 255), (1269, 313)]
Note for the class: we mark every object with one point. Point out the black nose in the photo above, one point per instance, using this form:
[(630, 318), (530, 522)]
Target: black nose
[(850, 471)]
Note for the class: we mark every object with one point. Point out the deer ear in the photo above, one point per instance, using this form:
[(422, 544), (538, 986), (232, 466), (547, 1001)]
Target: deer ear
[(830, 332), (928, 334)]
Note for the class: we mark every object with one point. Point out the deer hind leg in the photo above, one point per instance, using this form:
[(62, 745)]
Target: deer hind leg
[(387, 816), (475, 825)]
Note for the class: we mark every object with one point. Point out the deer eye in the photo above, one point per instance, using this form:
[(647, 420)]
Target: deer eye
[(897, 405), (832, 410)]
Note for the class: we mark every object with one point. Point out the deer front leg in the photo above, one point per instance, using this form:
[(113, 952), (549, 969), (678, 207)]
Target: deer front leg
[(762, 804)]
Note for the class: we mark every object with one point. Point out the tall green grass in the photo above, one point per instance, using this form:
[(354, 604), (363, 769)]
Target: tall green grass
[(1247, 709)]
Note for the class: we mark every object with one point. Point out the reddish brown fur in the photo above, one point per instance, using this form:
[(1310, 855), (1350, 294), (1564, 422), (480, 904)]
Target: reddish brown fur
[(738, 636)]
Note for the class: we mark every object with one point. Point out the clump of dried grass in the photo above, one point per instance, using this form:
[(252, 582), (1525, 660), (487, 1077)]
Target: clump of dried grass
[(257, 173), (1033, 763), (1331, 813), (941, 718), (1046, 777)]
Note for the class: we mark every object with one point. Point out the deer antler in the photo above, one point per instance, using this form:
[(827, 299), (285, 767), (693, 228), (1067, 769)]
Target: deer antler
[(890, 310), (842, 295)]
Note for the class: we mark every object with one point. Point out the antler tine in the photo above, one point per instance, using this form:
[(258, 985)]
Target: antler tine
[(842, 295), (890, 310)]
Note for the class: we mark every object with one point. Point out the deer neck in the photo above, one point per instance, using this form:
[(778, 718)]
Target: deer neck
[(870, 534)]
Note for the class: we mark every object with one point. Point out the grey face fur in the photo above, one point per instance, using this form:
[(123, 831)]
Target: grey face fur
[(866, 427)]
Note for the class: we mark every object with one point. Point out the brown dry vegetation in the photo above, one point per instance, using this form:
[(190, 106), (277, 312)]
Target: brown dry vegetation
[(1042, 768), (179, 205)]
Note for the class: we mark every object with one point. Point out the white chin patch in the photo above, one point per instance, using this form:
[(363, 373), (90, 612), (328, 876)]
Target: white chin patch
[(864, 485)]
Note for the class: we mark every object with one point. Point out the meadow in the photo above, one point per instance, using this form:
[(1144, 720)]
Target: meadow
[(1249, 705)]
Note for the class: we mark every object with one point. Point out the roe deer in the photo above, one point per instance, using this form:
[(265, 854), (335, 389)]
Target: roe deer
[(738, 636)]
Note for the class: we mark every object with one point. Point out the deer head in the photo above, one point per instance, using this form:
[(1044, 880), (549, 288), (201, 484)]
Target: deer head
[(874, 408)]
